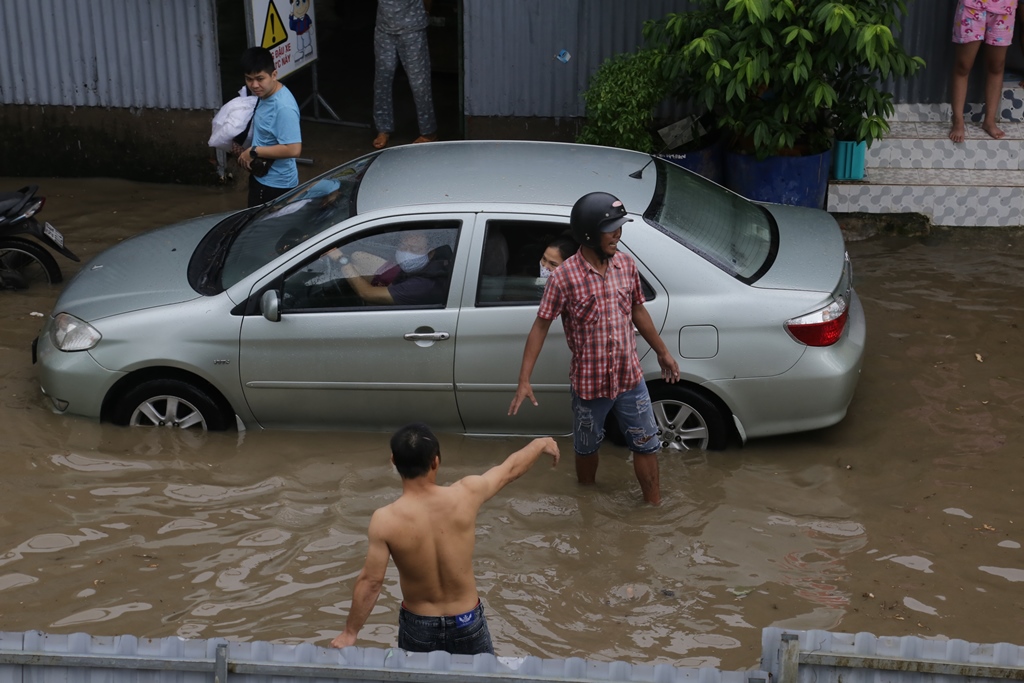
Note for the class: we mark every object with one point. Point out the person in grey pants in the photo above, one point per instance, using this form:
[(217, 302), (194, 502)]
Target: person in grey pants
[(401, 34)]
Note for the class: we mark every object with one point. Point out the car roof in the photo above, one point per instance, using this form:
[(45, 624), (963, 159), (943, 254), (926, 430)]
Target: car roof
[(498, 171)]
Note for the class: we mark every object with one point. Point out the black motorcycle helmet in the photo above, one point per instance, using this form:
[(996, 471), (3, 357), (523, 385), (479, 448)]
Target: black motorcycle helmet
[(593, 214)]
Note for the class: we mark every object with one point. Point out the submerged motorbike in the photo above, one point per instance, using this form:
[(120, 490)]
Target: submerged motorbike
[(23, 262)]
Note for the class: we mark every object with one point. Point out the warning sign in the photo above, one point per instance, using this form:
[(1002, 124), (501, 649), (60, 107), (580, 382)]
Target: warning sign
[(274, 33), (291, 37)]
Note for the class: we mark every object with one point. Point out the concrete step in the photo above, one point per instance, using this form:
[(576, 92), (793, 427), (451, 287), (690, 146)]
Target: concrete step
[(1011, 108), (926, 144), (952, 197)]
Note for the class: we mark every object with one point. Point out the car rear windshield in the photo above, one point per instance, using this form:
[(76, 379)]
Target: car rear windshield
[(245, 242), (731, 232)]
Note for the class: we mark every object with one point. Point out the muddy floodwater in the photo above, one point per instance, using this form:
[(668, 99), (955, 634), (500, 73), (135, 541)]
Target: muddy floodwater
[(905, 519)]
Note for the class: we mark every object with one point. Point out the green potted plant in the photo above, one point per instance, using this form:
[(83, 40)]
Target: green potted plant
[(860, 112), (780, 76), (620, 101)]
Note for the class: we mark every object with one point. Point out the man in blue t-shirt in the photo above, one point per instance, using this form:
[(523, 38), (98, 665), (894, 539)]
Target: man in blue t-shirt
[(276, 137)]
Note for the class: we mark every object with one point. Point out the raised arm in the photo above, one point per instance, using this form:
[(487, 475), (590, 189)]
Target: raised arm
[(367, 586), (534, 343), (484, 486)]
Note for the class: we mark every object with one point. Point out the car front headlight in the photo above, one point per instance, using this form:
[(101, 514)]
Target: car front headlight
[(71, 334)]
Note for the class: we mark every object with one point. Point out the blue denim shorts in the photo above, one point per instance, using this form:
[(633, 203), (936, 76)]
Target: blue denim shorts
[(462, 634), (635, 416)]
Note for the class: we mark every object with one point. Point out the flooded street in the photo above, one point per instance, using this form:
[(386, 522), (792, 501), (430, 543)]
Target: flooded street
[(905, 519)]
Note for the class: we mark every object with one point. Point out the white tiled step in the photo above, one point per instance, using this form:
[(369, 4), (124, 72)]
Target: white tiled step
[(926, 144), (967, 197), (1011, 107)]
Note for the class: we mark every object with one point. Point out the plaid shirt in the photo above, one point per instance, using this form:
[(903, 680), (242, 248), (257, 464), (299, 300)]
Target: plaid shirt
[(597, 314)]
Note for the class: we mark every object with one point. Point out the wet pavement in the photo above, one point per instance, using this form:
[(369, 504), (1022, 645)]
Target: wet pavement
[(902, 520)]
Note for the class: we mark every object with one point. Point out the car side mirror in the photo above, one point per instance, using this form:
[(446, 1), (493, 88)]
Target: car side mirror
[(270, 306)]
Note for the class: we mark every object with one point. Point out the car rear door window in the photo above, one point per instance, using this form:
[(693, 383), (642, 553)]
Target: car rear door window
[(729, 231), (512, 259)]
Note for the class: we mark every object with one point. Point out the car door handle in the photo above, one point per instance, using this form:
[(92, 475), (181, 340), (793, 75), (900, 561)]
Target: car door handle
[(426, 336)]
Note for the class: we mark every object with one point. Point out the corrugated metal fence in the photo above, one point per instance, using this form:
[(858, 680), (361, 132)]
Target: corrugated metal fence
[(163, 55), (787, 657), (511, 67), (110, 53), (510, 48), (824, 657), (34, 657)]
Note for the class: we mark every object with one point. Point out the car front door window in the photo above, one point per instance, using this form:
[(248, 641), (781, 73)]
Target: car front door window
[(407, 266)]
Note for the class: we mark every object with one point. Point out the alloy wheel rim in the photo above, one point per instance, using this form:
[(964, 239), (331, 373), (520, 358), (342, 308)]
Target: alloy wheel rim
[(680, 427), (168, 411)]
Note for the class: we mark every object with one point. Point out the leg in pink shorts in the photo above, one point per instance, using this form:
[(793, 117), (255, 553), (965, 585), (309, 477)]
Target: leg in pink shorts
[(991, 25)]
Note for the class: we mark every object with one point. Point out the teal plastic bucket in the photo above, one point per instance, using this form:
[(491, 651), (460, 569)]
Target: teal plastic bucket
[(848, 160)]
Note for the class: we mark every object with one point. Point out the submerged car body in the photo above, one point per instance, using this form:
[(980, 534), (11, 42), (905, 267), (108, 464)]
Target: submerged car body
[(245, 319)]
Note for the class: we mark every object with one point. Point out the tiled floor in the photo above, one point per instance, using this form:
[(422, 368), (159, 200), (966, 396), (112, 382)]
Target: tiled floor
[(917, 168), (944, 204)]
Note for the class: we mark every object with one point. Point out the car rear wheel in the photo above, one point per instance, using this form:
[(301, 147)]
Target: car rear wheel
[(686, 419), (170, 403)]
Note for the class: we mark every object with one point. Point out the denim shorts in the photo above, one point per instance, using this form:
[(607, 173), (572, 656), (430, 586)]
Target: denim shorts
[(462, 634), (632, 409)]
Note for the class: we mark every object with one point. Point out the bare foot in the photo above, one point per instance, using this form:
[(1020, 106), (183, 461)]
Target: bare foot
[(381, 141), (957, 133), (993, 130), (426, 138)]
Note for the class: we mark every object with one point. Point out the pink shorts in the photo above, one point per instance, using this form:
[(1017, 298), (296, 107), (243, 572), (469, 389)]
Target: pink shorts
[(971, 24)]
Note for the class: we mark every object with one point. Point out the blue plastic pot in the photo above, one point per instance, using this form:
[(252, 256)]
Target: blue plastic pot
[(708, 161), (793, 180)]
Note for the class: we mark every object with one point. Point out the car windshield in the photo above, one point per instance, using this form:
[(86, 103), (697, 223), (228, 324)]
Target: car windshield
[(244, 243), (731, 232)]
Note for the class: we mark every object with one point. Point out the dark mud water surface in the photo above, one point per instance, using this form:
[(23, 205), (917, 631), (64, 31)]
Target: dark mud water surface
[(904, 519)]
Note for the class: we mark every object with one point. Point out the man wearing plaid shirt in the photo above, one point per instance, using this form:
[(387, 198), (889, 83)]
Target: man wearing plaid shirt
[(597, 293)]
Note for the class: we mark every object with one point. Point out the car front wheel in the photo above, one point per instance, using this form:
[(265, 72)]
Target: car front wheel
[(170, 403), (687, 420)]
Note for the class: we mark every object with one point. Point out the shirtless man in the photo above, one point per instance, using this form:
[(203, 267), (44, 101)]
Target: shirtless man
[(430, 532)]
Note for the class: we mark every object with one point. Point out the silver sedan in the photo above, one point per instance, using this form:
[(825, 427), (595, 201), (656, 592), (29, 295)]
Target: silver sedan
[(401, 287)]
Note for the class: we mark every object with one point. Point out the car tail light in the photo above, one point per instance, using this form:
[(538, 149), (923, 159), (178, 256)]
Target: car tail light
[(823, 327)]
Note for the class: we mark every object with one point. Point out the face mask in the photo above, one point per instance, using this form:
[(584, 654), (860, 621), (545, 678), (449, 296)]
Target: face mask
[(411, 262), (544, 272)]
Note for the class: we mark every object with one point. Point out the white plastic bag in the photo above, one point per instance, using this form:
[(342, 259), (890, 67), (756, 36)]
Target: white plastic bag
[(231, 120)]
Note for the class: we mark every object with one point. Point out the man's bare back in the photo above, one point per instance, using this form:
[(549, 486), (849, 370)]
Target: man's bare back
[(431, 534), (430, 531)]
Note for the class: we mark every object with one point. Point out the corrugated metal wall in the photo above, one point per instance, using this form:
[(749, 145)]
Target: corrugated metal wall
[(110, 53), (927, 32), (510, 48), (156, 54)]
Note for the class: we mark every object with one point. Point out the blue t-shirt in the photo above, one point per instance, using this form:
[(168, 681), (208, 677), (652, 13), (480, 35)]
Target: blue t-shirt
[(276, 122)]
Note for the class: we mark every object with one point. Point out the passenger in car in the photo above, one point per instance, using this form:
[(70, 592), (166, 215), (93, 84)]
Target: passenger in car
[(420, 274), (555, 253)]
